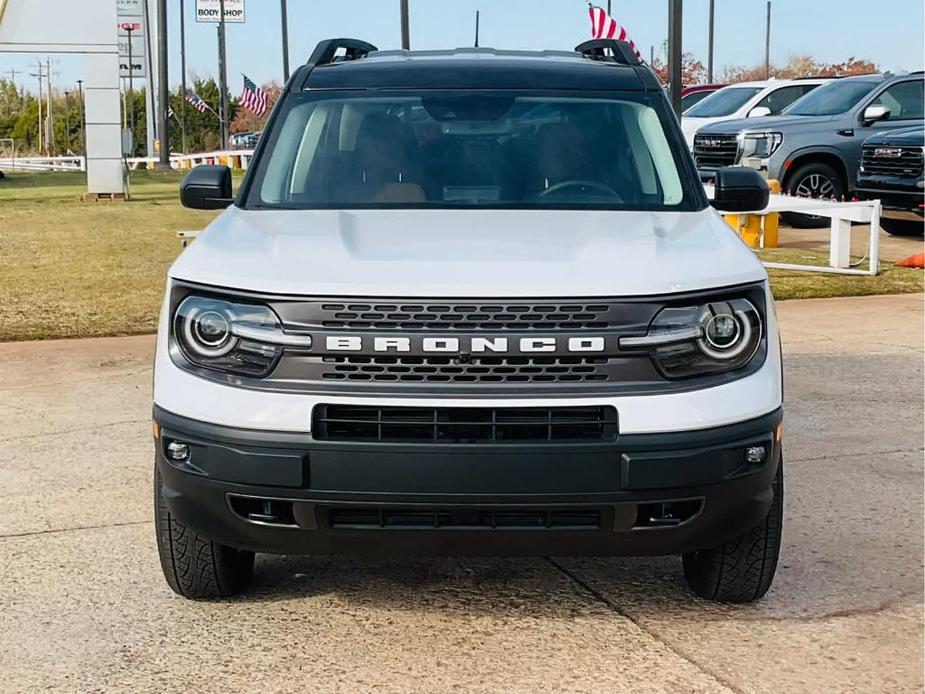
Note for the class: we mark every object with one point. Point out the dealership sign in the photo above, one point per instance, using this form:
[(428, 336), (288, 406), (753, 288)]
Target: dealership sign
[(209, 11)]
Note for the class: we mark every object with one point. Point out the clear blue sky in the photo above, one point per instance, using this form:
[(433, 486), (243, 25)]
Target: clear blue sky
[(890, 32)]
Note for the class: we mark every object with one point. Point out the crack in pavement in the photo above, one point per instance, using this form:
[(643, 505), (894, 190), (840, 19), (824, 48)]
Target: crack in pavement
[(855, 455), (53, 531), (73, 431), (607, 602), (93, 377)]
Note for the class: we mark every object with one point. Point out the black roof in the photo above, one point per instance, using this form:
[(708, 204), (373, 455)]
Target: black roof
[(478, 68)]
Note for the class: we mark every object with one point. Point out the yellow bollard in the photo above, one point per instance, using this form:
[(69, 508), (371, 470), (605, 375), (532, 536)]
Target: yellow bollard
[(751, 230), (772, 221)]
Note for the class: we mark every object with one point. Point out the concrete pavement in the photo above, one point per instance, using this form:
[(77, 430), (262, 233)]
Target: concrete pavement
[(83, 606)]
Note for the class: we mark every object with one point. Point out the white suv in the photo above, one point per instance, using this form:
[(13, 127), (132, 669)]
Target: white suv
[(745, 100), (469, 302)]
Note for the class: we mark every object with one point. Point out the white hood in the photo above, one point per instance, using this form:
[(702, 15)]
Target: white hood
[(690, 126), (468, 254)]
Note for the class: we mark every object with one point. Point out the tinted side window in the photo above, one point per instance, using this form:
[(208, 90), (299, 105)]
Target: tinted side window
[(781, 98), (904, 100)]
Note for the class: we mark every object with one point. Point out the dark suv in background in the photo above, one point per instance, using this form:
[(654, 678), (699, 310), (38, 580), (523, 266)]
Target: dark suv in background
[(814, 147), (891, 171)]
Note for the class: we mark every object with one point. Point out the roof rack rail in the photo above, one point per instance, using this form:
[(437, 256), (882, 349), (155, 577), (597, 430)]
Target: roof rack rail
[(609, 50), (326, 51)]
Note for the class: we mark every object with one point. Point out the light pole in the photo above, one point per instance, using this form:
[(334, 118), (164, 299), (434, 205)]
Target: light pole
[(284, 17), (767, 45), (405, 27), (675, 11), (163, 163), (710, 43)]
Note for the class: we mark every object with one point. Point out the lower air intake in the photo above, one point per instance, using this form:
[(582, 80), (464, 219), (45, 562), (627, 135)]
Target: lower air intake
[(447, 425)]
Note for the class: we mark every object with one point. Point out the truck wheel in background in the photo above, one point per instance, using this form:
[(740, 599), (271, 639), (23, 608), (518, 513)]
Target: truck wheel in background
[(194, 566), (903, 227), (742, 569), (814, 180)]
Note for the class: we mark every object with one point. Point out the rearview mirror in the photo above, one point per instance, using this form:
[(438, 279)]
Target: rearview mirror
[(759, 112), (872, 114), (740, 189), (207, 188)]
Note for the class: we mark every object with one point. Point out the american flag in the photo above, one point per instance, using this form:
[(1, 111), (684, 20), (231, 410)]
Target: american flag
[(197, 102), (253, 98), (603, 26)]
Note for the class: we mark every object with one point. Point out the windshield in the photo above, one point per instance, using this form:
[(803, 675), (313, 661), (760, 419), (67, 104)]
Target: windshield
[(468, 148), (831, 99), (725, 102)]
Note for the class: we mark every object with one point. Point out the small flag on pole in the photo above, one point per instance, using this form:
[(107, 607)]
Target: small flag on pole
[(197, 103), (603, 26), (253, 98)]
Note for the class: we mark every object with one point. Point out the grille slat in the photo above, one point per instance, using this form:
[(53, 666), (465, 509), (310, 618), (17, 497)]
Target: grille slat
[(365, 518), (464, 425), (715, 151), (907, 165), (493, 369)]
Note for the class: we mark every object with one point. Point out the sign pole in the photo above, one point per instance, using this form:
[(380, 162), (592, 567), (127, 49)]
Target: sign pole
[(131, 82), (83, 121), (183, 77), (222, 76), (710, 42), (164, 162)]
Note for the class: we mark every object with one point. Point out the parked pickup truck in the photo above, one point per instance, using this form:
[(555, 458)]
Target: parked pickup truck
[(470, 302), (891, 171)]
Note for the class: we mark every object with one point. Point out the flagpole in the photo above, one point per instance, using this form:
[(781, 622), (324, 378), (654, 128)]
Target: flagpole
[(675, 12), (405, 27), (163, 128), (710, 43), (222, 77)]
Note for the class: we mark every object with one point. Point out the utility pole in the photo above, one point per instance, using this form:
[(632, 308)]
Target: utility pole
[(767, 45), (675, 12), (40, 76), (284, 18), (183, 77), (405, 27), (222, 77), (49, 115), (164, 162), (12, 74), (67, 122), (83, 120), (710, 42)]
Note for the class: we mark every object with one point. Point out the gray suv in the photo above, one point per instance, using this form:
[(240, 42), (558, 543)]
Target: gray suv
[(814, 147)]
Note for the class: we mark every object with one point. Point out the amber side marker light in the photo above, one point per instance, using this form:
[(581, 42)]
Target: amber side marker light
[(780, 432)]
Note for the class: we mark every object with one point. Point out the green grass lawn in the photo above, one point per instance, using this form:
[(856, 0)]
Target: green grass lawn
[(75, 269)]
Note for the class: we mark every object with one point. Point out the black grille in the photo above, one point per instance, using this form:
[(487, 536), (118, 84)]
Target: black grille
[(464, 424), (465, 317), (473, 370), (365, 518), (907, 165), (715, 151)]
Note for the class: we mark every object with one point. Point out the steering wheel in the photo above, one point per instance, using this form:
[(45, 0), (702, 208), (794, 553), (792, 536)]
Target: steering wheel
[(593, 185)]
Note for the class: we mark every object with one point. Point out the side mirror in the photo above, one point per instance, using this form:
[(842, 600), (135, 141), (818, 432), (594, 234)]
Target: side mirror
[(207, 188), (759, 112), (872, 114), (740, 189)]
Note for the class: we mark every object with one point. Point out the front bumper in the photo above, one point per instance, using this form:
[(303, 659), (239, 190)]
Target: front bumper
[(642, 494), (901, 199)]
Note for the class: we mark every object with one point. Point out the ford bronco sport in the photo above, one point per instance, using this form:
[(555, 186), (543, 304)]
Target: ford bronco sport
[(469, 302)]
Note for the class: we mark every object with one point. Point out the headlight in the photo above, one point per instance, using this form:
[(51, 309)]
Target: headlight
[(233, 337), (760, 145), (697, 340)]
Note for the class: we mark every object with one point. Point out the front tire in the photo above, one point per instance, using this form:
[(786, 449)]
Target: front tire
[(742, 569), (194, 566), (813, 181), (903, 227)]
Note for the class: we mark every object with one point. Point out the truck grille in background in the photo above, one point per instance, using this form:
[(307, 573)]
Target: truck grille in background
[(715, 151), (365, 518), (466, 317), (477, 370), (907, 165), (464, 424)]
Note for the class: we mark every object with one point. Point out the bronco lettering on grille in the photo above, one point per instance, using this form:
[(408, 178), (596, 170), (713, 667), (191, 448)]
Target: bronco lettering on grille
[(465, 345)]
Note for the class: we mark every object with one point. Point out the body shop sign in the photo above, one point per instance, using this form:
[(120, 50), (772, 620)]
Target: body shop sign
[(209, 10)]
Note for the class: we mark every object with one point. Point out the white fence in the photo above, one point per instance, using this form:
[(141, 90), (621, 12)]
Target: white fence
[(238, 159)]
